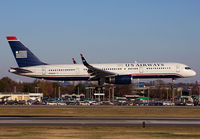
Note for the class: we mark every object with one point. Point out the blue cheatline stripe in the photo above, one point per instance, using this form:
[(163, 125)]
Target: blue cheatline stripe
[(155, 76), (85, 78)]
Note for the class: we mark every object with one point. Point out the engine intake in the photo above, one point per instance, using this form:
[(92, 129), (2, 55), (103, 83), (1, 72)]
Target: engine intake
[(120, 79)]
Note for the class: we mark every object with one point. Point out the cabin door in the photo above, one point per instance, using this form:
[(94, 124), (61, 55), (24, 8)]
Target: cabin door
[(77, 71), (141, 69), (177, 68), (43, 71)]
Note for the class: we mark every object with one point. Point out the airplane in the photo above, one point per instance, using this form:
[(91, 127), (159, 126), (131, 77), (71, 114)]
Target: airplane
[(112, 73)]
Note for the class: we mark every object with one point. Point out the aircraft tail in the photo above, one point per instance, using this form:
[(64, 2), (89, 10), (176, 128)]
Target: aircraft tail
[(22, 54)]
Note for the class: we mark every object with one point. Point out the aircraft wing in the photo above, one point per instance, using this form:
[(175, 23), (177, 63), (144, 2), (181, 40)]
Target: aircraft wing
[(96, 72)]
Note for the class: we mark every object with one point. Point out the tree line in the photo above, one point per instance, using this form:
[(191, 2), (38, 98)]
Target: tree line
[(51, 89)]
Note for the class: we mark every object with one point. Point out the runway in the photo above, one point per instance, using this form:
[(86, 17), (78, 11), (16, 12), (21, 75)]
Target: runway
[(96, 121)]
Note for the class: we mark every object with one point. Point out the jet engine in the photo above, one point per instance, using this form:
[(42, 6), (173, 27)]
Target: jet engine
[(119, 79)]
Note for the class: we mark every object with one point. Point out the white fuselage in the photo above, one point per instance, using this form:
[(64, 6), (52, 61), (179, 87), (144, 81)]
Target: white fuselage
[(73, 72), (114, 73)]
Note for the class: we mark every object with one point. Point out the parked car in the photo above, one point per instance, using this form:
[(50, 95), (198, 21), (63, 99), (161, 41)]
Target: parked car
[(21, 102), (94, 103), (72, 103), (2, 102), (106, 103), (189, 103), (52, 103), (180, 103), (11, 102), (84, 103), (168, 103), (61, 103)]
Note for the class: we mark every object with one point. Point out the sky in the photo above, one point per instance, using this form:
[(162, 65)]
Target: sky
[(104, 31)]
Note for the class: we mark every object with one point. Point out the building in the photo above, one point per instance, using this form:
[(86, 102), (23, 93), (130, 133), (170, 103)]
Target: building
[(20, 96), (74, 96), (36, 96)]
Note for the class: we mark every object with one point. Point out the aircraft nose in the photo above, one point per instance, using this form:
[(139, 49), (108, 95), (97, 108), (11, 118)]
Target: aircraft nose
[(194, 73)]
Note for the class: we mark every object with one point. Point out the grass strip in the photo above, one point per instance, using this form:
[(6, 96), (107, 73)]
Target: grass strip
[(44, 132), (182, 112)]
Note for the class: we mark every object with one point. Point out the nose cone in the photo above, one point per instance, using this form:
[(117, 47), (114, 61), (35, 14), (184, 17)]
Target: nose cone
[(193, 73)]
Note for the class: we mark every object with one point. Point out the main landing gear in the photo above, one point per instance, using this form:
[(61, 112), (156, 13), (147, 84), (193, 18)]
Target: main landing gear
[(101, 90), (173, 88)]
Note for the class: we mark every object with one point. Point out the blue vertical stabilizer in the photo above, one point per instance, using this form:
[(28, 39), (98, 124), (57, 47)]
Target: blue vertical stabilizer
[(23, 55)]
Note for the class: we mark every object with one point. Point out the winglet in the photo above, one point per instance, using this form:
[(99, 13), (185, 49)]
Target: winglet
[(84, 60), (74, 61), (12, 38)]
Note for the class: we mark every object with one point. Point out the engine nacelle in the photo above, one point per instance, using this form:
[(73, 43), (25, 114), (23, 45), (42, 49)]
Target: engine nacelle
[(120, 79)]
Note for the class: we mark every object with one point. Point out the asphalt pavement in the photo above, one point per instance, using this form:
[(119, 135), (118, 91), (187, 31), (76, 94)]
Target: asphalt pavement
[(96, 121)]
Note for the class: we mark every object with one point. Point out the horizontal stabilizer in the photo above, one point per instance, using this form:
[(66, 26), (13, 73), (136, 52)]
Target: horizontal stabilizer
[(19, 70)]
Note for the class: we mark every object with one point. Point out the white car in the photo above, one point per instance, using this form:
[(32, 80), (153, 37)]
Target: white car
[(52, 103), (84, 103), (61, 103), (189, 103), (168, 103), (94, 103)]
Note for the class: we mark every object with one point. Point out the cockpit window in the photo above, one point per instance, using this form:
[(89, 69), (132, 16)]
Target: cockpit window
[(187, 68)]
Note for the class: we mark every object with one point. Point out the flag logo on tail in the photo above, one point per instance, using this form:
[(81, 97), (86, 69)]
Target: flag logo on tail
[(21, 54)]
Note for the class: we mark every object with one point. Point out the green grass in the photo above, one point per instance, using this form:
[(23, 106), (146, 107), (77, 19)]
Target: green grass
[(193, 112), (95, 132), (76, 132)]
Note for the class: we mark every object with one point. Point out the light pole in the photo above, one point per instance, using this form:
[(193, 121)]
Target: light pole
[(36, 89), (199, 92), (59, 92), (167, 93), (148, 93), (15, 89), (113, 93)]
